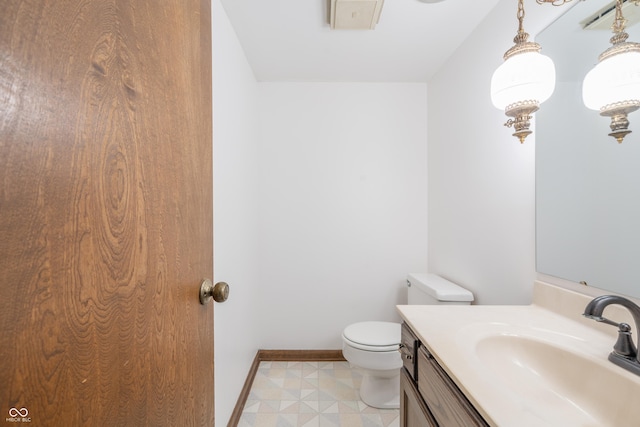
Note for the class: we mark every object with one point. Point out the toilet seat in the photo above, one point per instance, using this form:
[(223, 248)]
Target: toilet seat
[(373, 336)]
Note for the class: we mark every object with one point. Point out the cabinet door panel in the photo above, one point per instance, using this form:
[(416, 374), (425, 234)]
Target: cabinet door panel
[(413, 412), (446, 402)]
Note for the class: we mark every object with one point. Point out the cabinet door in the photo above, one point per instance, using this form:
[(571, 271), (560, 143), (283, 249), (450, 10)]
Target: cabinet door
[(413, 412), (446, 402)]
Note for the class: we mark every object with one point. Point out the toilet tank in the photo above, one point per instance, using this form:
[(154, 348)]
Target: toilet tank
[(431, 289)]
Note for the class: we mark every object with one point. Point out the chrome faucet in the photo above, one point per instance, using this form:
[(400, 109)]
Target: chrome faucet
[(625, 353)]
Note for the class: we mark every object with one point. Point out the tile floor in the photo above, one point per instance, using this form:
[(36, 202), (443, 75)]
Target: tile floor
[(310, 394)]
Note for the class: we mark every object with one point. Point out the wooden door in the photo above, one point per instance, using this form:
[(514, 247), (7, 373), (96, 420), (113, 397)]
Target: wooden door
[(105, 213)]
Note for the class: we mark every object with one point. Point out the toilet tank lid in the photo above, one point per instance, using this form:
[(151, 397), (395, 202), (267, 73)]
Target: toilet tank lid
[(439, 287)]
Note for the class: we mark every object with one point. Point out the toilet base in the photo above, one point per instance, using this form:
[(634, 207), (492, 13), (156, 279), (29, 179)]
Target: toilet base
[(381, 392)]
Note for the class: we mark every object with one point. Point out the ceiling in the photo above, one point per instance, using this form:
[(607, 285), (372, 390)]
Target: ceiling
[(291, 40)]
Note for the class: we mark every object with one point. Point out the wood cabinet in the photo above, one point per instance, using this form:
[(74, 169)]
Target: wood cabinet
[(409, 351), (413, 411), (428, 396)]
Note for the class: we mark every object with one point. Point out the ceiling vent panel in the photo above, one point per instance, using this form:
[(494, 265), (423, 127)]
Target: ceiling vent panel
[(603, 19), (355, 14)]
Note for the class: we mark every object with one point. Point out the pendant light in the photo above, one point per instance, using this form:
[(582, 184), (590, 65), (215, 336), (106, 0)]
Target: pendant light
[(525, 80), (613, 85)]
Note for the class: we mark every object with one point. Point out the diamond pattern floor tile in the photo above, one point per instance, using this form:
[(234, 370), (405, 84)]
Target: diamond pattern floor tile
[(310, 394)]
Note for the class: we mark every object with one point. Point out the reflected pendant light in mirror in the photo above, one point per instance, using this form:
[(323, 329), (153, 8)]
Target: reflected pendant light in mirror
[(613, 85), (524, 81)]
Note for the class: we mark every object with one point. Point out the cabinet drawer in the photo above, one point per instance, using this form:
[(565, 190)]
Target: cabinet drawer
[(408, 350), (446, 402)]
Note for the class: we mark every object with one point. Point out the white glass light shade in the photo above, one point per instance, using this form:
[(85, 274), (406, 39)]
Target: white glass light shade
[(523, 77), (615, 79)]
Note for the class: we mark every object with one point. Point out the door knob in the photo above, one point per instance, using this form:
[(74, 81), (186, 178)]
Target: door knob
[(219, 292)]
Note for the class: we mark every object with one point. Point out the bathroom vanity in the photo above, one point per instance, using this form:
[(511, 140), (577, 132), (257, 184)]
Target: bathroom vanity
[(428, 397), (502, 366)]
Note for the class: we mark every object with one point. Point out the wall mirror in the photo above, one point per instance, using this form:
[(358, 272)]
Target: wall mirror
[(587, 185)]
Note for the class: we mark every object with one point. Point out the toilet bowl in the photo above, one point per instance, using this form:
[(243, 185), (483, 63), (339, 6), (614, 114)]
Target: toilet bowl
[(373, 346)]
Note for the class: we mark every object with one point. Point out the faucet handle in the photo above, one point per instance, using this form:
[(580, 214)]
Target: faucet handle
[(624, 346), (603, 320)]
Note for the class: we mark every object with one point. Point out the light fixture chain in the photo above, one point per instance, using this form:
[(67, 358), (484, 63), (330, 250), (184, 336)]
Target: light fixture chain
[(619, 23), (520, 15)]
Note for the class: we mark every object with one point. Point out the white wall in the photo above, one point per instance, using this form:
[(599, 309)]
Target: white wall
[(319, 199), (481, 180), (235, 213), (342, 204)]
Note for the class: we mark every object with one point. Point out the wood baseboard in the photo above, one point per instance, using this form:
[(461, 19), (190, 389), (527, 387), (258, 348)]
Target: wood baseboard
[(244, 393), (279, 356), (301, 355)]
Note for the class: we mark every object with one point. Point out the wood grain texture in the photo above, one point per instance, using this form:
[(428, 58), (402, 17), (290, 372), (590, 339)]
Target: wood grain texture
[(106, 212), (301, 355), (445, 401), (413, 411)]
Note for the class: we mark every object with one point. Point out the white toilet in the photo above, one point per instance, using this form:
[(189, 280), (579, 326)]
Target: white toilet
[(373, 346)]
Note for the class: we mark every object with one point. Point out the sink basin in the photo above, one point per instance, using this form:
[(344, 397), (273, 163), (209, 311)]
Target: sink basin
[(536, 365), (551, 377)]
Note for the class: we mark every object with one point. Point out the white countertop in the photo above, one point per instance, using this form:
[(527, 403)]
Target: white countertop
[(452, 333)]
